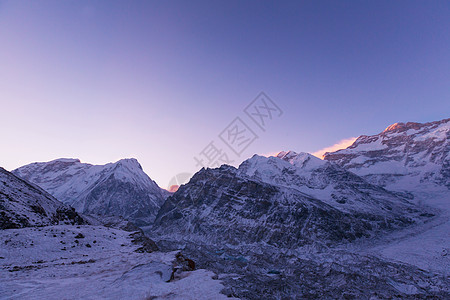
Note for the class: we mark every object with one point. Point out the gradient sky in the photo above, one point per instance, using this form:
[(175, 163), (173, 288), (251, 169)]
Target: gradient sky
[(158, 81)]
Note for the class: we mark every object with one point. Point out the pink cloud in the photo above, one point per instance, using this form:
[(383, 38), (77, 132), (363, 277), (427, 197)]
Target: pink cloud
[(342, 144)]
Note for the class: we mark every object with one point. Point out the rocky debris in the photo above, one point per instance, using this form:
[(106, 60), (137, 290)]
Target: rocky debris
[(69, 215), (131, 227), (79, 236), (181, 264), (145, 243), (255, 272)]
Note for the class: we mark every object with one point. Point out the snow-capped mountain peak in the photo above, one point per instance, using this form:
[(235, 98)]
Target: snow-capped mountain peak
[(301, 164), (130, 163), (121, 188), (301, 160), (404, 157)]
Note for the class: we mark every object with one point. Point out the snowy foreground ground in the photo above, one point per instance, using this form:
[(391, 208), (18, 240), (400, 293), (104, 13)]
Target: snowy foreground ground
[(92, 262)]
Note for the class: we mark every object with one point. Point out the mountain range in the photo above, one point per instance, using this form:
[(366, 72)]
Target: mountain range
[(288, 201), (274, 220), (367, 222)]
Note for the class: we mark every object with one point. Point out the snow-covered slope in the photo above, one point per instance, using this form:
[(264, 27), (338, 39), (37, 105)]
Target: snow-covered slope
[(120, 189), (95, 262), (411, 157), (23, 204)]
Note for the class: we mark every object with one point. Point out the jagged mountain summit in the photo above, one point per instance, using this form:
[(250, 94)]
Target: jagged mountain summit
[(23, 204), (115, 189), (412, 157), (287, 201), (325, 181)]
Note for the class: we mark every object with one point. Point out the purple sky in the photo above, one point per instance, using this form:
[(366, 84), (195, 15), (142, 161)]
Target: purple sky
[(158, 81)]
